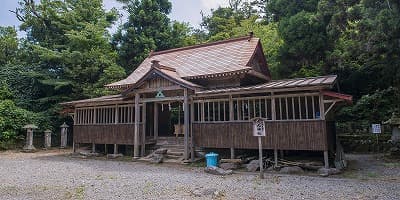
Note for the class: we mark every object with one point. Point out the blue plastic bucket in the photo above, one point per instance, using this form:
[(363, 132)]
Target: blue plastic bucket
[(212, 159)]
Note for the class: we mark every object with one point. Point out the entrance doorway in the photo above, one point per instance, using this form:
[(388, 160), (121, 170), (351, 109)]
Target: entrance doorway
[(170, 119)]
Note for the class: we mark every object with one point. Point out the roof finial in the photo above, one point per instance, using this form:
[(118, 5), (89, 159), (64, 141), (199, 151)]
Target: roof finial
[(155, 63), (251, 34)]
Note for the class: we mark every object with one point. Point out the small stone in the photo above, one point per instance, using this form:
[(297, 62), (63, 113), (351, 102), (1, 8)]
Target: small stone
[(292, 170), (328, 171), (161, 151), (112, 156), (197, 193), (217, 171), (228, 166), (208, 191), (270, 168), (157, 158), (253, 166)]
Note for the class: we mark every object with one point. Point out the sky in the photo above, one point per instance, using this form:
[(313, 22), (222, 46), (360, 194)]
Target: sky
[(182, 10)]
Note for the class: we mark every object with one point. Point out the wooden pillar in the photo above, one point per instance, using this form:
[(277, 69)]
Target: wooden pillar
[(232, 153), (231, 118), (115, 149), (136, 130), (93, 147), (192, 148), (321, 107), (143, 130), (186, 123), (155, 121), (326, 159), (273, 117)]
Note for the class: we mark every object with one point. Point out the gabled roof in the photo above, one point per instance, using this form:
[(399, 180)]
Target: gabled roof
[(199, 61), (167, 73), (320, 81)]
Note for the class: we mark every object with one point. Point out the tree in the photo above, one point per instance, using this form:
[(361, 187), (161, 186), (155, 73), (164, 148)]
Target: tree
[(68, 48), (148, 28), (8, 45)]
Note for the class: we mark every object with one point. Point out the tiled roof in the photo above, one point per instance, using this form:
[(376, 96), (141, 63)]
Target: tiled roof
[(168, 72), (227, 56), (327, 81), (98, 99)]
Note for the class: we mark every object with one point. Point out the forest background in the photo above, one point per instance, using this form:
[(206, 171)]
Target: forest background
[(69, 53)]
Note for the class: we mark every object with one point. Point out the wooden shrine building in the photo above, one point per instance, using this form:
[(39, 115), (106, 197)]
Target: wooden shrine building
[(218, 87)]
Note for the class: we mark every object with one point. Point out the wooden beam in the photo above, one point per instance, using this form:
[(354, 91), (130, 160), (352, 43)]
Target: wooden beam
[(186, 123), (164, 88), (177, 98), (329, 108), (252, 91), (136, 130)]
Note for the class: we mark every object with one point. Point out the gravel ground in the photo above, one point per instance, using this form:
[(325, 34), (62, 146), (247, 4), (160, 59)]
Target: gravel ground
[(55, 175)]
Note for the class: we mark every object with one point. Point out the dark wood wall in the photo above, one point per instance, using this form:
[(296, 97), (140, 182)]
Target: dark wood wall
[(285, 135), (106, 134)]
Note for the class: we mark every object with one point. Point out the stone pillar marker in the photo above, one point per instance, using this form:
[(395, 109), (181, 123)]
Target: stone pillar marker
[(29, 137), (64, 132), (47, 139)]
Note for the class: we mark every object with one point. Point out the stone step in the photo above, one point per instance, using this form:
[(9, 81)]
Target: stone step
[(175, 153), (177, 157)]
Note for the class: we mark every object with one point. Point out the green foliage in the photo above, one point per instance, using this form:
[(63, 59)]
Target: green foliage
[(8, 45), (68, 47), (148, 29), (12, 118)]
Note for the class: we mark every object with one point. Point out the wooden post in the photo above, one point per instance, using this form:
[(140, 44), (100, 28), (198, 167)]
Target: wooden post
[(192, 148), (186, 123), (143, 129), (136, 136), (273, 112), (231, 118), (232, 153), (260, 157), (326, 159), (321, 107), (155, 121), (115, 149), (276, 157), (93, 147)]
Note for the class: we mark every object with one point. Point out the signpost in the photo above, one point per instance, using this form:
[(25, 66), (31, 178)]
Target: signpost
[(377, 129), (259, 131)]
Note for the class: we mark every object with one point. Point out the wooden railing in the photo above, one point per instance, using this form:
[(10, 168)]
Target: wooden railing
[(106, 134), (286, 135)]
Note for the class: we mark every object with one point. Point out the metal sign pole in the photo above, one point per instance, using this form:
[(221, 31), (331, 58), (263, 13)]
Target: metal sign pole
[(260, 157)]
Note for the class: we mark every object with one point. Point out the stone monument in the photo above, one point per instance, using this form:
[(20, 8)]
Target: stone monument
[(29, 137), (64, 135), (47, 139)]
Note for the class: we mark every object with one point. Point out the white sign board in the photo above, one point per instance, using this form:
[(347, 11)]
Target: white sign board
[(258, 127), (376, 128)]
